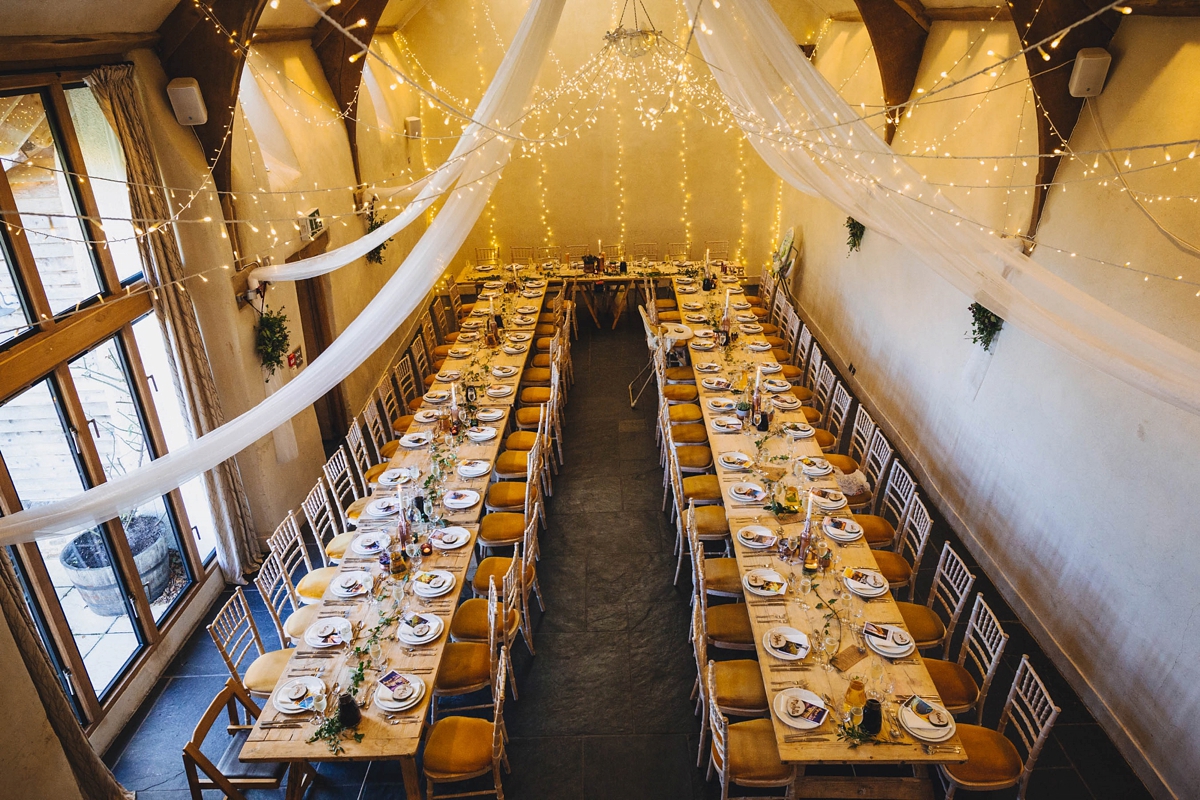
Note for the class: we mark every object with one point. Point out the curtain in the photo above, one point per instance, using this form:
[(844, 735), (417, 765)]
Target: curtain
[(486, 154), (94, 779), (816, 142), (237, 545)]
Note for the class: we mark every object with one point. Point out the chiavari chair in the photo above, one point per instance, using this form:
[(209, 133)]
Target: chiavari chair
[(326, 526), (981, 650), (542, 254), (952, 584), (892, 505), (395, 409), (520, 255), (739, 686), (287, 543), (237, 638), (471, 623), (487, 255), (900, 566), (717, 250), (468, 667), (745, 753), (728, 624), (290, 617), (677, 251), (723, 577)]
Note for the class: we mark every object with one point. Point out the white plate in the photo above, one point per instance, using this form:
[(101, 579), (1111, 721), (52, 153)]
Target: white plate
[(751, 329), (815, 467), (692, 305), (415, 440), (757, 537), (425, 416), (473, 468), (328, 632), (520, 319), (753, 581), (740, 305), (891, 647), (385, 700), (393, 477), (381, 507), (799, 430), (504, 371), (436, 396), (498, 390), (433, 590), (490, 414), (519, 336), (872, 585), (783, 701), (530, 293), (283, 701), (469, 336), (924, 729), (472, 324), (722, 405), (515, 349), (746, 316), (830, 503), (430, 628), (707, 366), (449, 375), (693, 317), (481, 434), (369, 544), (842, 529), (704, 333), (527, 309), (485, 267), (450, 538), (715, 384), (792, 635), (777, 385), (785, 402), (460, 498), (736, 289), (759, 347), (726, 424), (705, 345), (493, 284), (736, 460), (351, 584), (459, 352), (770, 369), (686, 290), (747, 492)]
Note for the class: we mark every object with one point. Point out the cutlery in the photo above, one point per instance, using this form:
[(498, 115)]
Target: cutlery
[(280, 725), (932, 749)]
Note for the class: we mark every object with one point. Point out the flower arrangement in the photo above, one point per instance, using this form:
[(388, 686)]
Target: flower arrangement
[(984, 326), (854, 240), (374, 222), (271, 339)]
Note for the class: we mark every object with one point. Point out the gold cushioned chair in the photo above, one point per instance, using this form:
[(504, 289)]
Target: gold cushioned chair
[(236, 636)]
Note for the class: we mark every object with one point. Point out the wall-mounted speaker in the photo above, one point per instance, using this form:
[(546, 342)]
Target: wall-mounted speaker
[(187, 102), (412, 127), (1089, 72)]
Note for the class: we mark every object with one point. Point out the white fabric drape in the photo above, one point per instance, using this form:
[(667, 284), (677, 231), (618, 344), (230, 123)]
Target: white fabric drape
[(500, 108), (815, 141)]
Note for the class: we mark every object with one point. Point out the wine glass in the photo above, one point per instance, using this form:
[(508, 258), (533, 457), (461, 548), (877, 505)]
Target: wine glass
[(876, 672), (805, 588), (829, 644)]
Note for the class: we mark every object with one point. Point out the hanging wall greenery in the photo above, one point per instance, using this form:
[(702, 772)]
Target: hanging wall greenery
[(984, 326), (271, 340), (857, 229), (374, 220)]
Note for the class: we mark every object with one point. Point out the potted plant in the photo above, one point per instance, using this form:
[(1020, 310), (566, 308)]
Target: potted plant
[(742, 408), (87, 562), (271, 339)]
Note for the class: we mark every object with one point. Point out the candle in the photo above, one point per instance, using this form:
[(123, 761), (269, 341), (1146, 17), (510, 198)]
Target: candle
[(727, 291), (453, 394), (808, 517), (706, 256), (757, 378)]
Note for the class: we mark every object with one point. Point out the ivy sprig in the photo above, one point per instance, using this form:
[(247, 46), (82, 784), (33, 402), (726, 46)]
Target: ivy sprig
[(332, 732)]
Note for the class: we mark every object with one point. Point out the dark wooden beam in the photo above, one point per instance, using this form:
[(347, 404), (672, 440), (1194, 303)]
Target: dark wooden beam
[(1166, 8), (69, 50), (1050, 74), (268, 35), (898, 33), (970, 14), (192, 46), (334, 49)]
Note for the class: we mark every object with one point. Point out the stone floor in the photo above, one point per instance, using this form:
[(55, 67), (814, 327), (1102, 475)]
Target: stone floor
[(604, 709)]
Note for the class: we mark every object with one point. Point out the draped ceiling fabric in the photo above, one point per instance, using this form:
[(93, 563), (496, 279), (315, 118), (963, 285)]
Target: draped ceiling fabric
[(237, 545), (500, 108), (815, 141)]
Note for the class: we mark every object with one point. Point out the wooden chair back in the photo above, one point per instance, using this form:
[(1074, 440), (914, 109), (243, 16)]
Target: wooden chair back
[(982, 647), (823, 391), (456, 305), (839, 413), (1032, 714), (802, 350), (389, 400), (378, 433), (860, 435), (614, 252), (342, 482), (645, 250), (419, 355), (440, 319), (543, 254), (576, 252), (202, 774), (235, 634), (520, 255), (913, 538), (879, 458), (718, 250), (278, 594), (816, 360), (487, 255), (677, 251), (406, 380), (428, 334), (952, 584), (322, 522), (893, 505)]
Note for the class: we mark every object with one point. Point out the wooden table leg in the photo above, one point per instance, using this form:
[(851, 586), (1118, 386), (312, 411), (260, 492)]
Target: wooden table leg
[(412, 780), (591, 307), (296, 785), (619, 305)]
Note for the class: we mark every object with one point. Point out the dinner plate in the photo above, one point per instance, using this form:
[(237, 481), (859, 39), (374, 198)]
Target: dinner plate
[(488, 294), (381, 507), (722, 405), (747, 492), (765, 583), (727, 279), (897, 642), (473, 468), (785, 402), (829, 499), (842, 529), (519, 336), (715, 384), (698, 344), (437, 396), (736, 289), (493, 284), (746, 316), (434, 583), (815, 467), (298, 695), (530, 293), (864, 582), (503, 371), (415, 440), (686, 290), (692, 305), (417, 628), (471, 324), (726, 424), (480, 312), (740, 305), (769, 369), (793, 644), (469, 336), (799, 430), (521, 319), (369, 544), (499, 390), (412, 691), (460, 498), (707, 366), (459, 352), (351, 584), (800, 708), (449, 375), (695, 317), (735, 460), (757, 537), (490, 414), (703, 333), (485, 267), (450, 538), (481, 434), (527, 309), (751, 328), (535, 284), (328, 633), (777, 385), (515, 349), (425, 415), (926, 720), (759, 347), (685, 280), (393, 477)]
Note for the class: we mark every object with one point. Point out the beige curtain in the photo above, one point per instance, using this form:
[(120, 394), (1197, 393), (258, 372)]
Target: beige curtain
[(94, 779), (238, 550)]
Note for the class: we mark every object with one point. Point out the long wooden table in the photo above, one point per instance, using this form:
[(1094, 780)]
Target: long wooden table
[(395, 736), (907, 676)]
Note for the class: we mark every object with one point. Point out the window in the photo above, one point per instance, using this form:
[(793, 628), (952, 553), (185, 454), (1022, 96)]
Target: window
[(86, 394)]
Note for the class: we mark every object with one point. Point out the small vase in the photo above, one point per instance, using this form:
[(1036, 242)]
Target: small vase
[(348, 714)]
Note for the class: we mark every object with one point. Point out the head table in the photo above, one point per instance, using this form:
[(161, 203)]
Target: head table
[(777, 449), (280, 737)]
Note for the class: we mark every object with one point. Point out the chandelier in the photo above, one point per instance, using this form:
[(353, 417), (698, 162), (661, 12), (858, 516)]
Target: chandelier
[(636, 41)]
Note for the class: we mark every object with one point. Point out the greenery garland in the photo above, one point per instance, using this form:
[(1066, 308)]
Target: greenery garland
[(984, 326), (374, 222), (271, 339), (856, 229)]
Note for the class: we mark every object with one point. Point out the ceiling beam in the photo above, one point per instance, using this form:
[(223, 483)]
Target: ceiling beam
[(970, 14), (1165, 8), (268, 35), (898, 33), (192, 46), (334, 50), (69, 50), (1050, 73)]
